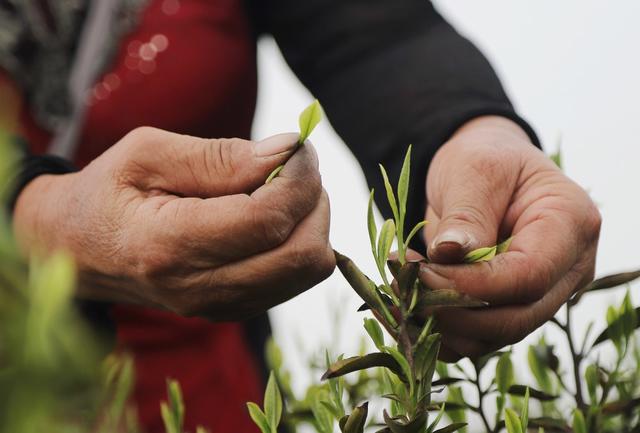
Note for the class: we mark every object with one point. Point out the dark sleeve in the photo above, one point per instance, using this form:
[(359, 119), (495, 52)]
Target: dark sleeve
[(388, 73)]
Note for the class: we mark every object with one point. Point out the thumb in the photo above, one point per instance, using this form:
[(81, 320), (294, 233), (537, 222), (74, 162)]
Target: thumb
[(470, 215), (197, 167)]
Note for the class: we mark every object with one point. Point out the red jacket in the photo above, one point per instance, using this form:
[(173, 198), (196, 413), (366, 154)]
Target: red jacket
[(189, 69)]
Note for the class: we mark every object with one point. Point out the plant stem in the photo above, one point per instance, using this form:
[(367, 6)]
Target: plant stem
[(576, 358), (481, 395)]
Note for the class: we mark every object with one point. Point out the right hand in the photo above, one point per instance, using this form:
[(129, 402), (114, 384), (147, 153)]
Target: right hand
[(187, 224)]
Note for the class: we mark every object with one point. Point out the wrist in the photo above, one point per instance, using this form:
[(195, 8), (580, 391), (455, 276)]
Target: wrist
[(41, 213), (491, 127)]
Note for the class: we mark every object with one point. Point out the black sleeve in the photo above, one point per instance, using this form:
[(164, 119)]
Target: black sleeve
[(388, 73)]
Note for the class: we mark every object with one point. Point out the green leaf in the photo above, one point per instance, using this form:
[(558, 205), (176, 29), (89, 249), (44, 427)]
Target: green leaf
[(309, 119), (413, 232), (173, 413), (451, 427), (557, 158), (608, 282), (375, 332), (258, 418), (504, 373), (425, 356), (483, 254), (390, 196), (591, 377), (524, 415), (444, 381), (276, 171), (628, 316), (323, 417), (503, 246), (404, 365), (435, 422), (273, 355), (387, 234), (273, 402), (371, 226), (538, 368), (403, 191), (363, 286), (406, 279), (512, 421), (552, 424), (399, 424), (448, 298), (578, 425), (522, 390), (357, 363), (357, 420)]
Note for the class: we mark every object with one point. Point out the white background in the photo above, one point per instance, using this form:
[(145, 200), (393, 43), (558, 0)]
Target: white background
[(572, 68)]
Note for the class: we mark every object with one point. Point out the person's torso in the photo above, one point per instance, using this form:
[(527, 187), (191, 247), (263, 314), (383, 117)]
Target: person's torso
[(188, 66)]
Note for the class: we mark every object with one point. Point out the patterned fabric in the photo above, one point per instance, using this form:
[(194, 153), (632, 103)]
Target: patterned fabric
[(38, 40)]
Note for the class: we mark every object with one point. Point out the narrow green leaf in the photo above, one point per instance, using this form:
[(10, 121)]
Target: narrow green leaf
[(170, 423), (425, 356), (451, 427), (371, 226), (512, 421), (323, 417), (557, 158), (435, 422), (504, 373), (403, 191), (375, 332), (578, 424), (591, 377), (413, 232), (390, 196), (309, 119), (522, 390), (404, 365), (276, 171), (357, 363), (503, 246), (273, 402), (258, 417), (483, 254), (357, 420), (385, 241), (524, 415)]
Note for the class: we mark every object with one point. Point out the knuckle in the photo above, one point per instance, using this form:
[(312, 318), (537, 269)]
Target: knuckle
[(273, 225), (593, 222), (220, 156)]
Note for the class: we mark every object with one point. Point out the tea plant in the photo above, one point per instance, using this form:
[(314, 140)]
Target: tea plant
[(404, 372)]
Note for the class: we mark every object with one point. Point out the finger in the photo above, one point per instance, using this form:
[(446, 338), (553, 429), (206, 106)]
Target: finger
[(195, 167), (257, 283), (537, 259), (507, 324), (472, 197), (217, 230)]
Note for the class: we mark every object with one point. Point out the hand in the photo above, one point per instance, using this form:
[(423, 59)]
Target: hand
[(485, 184), (187, 224)]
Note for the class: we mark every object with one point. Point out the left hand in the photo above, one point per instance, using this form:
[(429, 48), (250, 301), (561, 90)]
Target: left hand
[(488, 182)]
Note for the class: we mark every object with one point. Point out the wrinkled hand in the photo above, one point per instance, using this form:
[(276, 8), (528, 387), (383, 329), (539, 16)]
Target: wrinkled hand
[(187, 224), (485, 184)]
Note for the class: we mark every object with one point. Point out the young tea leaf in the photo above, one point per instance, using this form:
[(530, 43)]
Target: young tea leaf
[(375, 332), (503, 246), (258, 418), (273, 402), (309, 119), (512, 421), (371, 226), (387, 234), (357, 419), (390, 196), (274, 174), (579, 425), (483, 254), (504, 373), (413, 232), (403, 191)]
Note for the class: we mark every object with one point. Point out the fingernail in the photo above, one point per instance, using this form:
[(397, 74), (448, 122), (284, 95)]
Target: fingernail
[(276, 144), (451, 237), (434, 280)]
